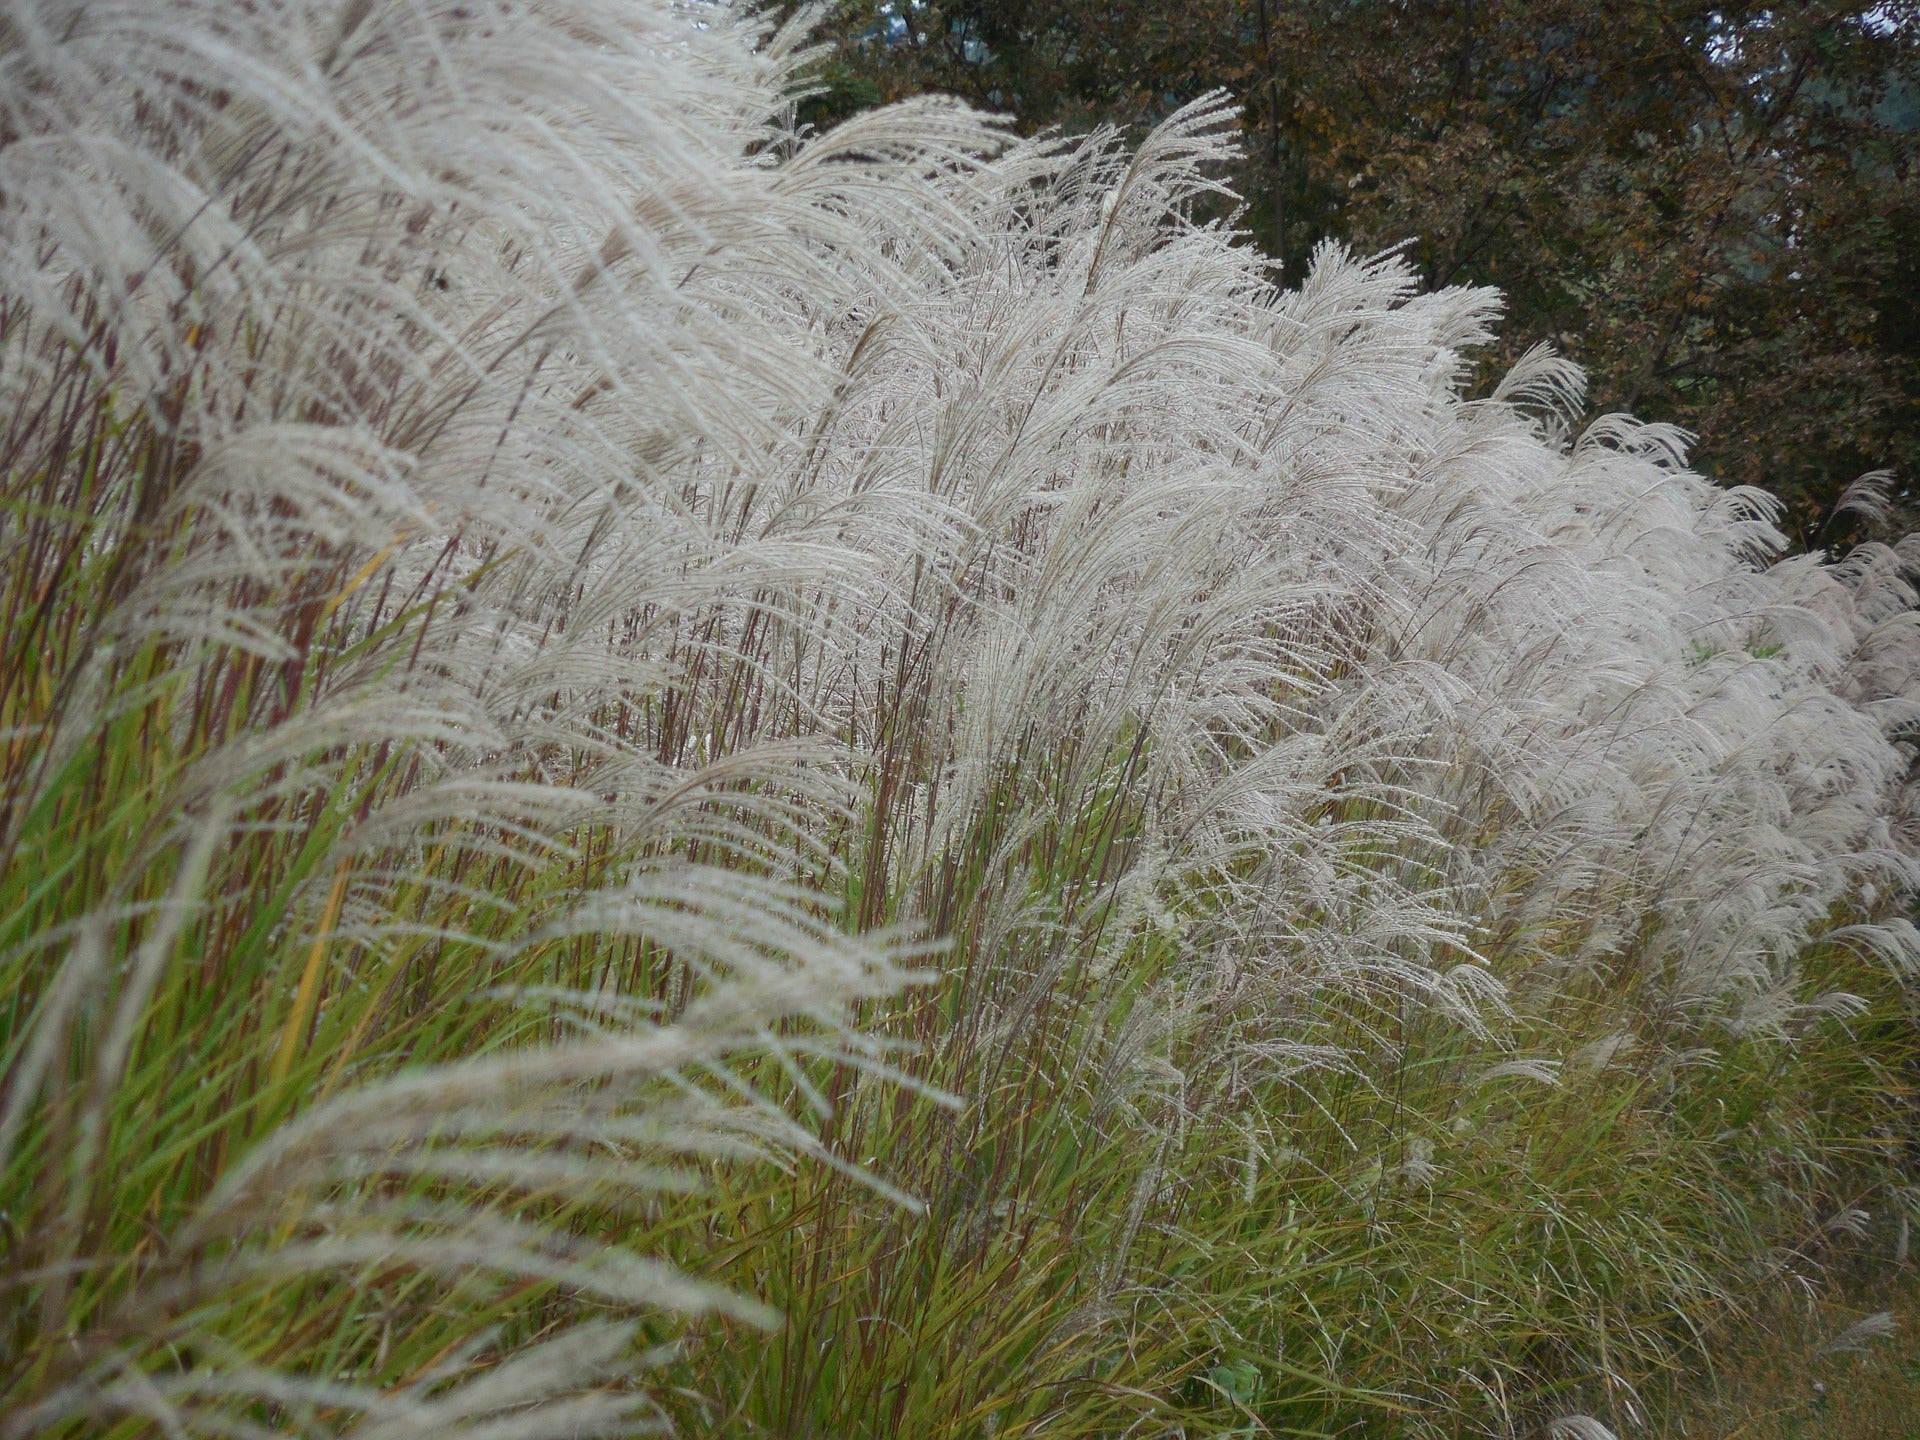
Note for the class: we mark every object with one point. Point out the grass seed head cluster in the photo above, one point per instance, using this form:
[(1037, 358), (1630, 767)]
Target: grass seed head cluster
[(658, 771)]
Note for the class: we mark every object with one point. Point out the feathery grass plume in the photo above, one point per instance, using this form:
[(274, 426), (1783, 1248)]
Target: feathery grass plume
[(530, 578), (1860, 1334), (1261, 701), (361, 364), (1579, 1427)]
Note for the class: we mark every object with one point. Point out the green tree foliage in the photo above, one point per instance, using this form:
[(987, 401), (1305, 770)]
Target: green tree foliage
[(1712, 207)]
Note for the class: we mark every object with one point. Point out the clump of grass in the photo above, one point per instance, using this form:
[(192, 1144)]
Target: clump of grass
[(1814, 1361), (540, 599), (340, 866)]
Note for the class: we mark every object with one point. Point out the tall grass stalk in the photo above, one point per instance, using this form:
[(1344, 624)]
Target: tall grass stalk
[(665, 772)]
